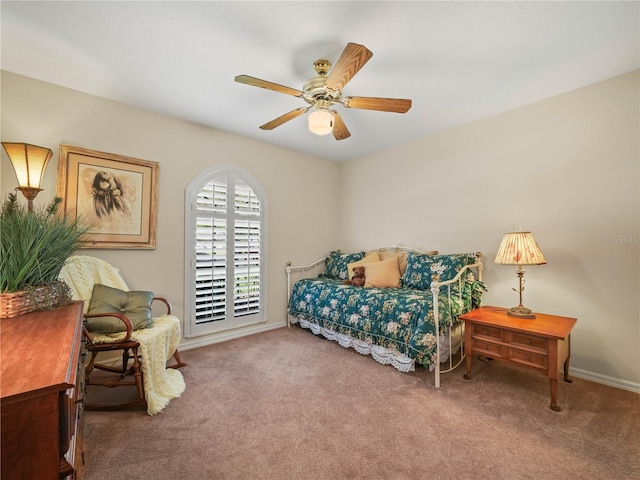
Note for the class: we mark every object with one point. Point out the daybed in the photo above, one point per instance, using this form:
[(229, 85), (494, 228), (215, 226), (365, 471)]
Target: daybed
[(410, 299)]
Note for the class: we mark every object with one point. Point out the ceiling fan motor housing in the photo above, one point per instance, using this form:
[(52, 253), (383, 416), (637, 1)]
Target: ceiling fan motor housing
[(316, 89)]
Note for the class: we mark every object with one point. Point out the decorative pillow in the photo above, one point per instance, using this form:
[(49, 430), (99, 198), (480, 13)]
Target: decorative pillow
[(471, 294), (338, 264), (475, 289), (402, 258), (422, 269), (369, 258), (383, 274), (135, 305)]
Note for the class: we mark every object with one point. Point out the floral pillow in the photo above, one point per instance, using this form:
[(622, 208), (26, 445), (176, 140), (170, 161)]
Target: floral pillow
[(422, 269), (338, 264)]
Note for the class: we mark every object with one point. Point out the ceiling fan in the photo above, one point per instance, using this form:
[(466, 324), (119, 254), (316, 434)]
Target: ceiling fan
[(325, 90)]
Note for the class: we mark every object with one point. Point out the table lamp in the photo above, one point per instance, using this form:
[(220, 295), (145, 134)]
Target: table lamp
[(520, 248)]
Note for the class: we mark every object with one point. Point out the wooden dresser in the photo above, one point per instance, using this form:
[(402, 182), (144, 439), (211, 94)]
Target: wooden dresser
[(42, 390)]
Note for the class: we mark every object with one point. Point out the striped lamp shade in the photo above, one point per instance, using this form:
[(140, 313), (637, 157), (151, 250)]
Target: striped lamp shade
[(519, 248), (29, 162)]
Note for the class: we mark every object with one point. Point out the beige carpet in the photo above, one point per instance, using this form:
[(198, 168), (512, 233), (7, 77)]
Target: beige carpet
[(286, 404)]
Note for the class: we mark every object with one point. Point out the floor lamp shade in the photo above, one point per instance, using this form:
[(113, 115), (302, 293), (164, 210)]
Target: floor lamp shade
[(29, 162)]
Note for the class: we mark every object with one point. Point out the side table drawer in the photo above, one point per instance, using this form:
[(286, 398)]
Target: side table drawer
[(487, 348), (531, 341), (529, 359), (487, 332)]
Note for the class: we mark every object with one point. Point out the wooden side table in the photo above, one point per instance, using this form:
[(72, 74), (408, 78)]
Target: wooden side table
[(541, 343)]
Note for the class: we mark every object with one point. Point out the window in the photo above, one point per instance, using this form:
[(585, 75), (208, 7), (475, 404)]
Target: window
[(225, 249)]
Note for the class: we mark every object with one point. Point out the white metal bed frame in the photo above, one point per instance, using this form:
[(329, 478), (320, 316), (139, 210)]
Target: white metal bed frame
[(316, 268)]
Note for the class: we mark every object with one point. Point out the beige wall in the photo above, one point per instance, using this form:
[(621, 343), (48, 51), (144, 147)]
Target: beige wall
[(568, 169), (299, 226)]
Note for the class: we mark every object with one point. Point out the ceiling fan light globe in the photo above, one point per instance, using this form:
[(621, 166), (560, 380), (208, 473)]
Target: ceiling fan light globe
[(321, 122)]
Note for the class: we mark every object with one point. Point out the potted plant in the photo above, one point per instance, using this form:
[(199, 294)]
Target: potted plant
[(34, 246)]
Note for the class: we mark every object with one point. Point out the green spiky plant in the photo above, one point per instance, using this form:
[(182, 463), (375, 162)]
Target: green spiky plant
[(34, 246)]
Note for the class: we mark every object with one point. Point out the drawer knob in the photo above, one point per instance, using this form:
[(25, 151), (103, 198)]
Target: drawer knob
[(528, 342)]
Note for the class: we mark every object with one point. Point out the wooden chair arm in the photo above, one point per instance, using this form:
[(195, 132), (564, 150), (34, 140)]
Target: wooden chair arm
[(166, 302), (123, 318), (87, 334)]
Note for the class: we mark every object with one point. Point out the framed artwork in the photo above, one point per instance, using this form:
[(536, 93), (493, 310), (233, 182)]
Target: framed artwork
[(117, 195)]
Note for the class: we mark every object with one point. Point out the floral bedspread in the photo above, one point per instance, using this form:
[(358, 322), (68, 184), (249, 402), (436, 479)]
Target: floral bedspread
[(397, 318)]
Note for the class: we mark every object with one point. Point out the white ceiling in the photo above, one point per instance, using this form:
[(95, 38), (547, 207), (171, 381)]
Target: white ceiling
[(457, 61)]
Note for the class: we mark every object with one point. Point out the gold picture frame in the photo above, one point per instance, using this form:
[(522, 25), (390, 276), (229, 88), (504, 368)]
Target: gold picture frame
[(117, 195)]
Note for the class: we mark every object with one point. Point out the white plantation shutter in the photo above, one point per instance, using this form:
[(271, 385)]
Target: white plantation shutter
[(211, 252), (246, 251), (225, 249)]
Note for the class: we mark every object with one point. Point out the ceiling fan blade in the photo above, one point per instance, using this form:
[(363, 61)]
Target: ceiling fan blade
[(397, 105), (256, 82), (284, 118), (350, 62), (340, 130)]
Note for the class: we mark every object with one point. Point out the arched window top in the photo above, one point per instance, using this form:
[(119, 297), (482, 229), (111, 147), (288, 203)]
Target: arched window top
[(227, 172)]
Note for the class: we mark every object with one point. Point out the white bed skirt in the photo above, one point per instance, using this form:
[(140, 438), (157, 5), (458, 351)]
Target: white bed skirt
[(380, 354)]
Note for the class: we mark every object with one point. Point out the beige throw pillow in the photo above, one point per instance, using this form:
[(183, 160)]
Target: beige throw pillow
[(401, 257), (370, 258), (383, 274)]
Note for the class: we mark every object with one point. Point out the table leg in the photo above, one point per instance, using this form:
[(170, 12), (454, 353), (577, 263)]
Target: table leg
[(553, 383), (567, 378), (467, 348), (467, 376)]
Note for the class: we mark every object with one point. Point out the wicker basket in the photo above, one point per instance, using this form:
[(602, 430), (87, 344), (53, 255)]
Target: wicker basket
[(43, 297)]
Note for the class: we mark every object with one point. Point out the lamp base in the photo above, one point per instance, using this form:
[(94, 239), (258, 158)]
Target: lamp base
[(521, 312)]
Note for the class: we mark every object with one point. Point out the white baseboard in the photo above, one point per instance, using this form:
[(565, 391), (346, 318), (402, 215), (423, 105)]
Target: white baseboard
[(203, 341), (605, 380)]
